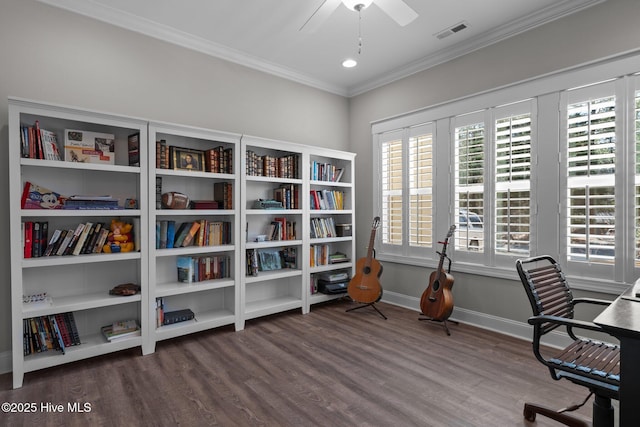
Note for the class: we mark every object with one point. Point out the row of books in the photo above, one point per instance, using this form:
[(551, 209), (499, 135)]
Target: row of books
[(200, 232), (86, 238), (322, 228), (164, 317), (272, 166), (270, 259), (281, 228), (326, 199), (325, 172), (320, 255), (216, 160), (288, 195), (44, 333), (206, 267), (37, 143)]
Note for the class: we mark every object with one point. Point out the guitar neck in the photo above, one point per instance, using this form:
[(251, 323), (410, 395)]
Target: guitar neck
[(370, 248)]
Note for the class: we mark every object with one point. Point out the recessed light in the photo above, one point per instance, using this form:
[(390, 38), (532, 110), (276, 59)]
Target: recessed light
[(349, 63)]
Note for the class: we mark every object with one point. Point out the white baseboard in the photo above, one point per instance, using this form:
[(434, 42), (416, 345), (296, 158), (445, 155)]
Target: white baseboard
[(504, 326), (481, 320)]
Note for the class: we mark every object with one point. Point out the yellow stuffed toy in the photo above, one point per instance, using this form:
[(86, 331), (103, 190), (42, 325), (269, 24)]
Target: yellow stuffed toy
[(120, 238)]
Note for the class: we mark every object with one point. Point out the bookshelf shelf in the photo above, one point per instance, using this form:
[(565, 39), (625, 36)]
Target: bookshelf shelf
[(203, 321), (77, 283), (177, 288), (78, 302)]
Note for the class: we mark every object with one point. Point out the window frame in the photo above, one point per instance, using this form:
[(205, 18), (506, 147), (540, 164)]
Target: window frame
[(546, 91)]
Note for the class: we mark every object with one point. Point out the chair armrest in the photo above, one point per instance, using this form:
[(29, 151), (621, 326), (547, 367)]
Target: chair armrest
[(543, 318), (591, 301)]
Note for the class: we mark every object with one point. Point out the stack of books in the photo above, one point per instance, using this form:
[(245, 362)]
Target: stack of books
[(121, 330)]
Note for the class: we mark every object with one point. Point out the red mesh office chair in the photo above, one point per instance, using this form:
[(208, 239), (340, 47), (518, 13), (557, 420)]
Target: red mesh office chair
[(589, 363)]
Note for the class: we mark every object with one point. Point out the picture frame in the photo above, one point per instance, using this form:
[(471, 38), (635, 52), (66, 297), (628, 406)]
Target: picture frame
[(269, 260), (187, 159)]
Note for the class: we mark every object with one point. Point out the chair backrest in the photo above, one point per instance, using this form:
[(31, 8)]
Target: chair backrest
[(546, 287)]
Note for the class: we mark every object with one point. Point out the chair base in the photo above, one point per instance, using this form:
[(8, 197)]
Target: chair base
[(531, 410), (602, 413)]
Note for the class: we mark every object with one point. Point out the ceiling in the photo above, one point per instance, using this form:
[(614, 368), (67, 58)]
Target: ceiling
[(265, 34)]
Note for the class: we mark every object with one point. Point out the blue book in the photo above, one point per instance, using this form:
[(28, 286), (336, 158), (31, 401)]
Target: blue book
[(171, 233)]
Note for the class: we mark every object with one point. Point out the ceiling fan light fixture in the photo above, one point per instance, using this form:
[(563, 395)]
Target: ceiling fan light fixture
[(349, 63), (357, 5)]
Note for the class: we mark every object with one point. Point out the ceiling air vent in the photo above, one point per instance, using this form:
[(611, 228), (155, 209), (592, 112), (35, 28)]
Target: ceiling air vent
[(452, 30)]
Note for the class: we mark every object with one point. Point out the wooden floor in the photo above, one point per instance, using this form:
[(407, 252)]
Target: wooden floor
[(327, 368)]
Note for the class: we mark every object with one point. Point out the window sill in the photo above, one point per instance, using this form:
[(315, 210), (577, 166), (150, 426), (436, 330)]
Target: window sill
[(578, 283)]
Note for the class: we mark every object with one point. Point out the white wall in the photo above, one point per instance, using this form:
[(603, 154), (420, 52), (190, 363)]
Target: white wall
[(55, 56), (598, 32)]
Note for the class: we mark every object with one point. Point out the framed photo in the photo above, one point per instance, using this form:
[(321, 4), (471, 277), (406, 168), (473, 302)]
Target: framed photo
[(269, 260), (188, 159)]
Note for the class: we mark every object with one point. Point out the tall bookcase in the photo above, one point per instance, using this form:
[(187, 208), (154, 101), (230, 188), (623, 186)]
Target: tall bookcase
[(214, 297), (272, 170), (259, 265), (331, 220), (78, 284)]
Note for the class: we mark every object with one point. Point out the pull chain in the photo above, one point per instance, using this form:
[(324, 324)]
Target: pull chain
[(359, 8)]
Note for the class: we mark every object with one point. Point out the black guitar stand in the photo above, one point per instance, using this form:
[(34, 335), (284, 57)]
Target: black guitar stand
[(371, 304), (443, 322)]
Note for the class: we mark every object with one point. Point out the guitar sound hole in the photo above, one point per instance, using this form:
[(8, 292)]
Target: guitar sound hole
[(366, 270)]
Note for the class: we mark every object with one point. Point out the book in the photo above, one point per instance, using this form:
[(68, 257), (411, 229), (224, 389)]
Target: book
[(181, 233), (133, 142), (171, 233), (121, 329), (49, 142), (52, 242), (108, 333), (185, 269), (189, 238), (27, 242), (74, 239), (37, 197), (65, 243), (89, 147), (77, 250)]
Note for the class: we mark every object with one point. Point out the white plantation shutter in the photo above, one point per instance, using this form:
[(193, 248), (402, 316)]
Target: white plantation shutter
[(512, 142), (591, 167), (420, 188), (392, 183), (469, 161)]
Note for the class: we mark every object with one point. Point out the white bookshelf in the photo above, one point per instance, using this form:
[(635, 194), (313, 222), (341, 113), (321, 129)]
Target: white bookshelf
[(271, 291), (215, 302), (329, 161), (81, 283)]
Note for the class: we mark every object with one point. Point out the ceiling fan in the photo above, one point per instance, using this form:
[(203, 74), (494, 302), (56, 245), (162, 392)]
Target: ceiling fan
[(398, 10)]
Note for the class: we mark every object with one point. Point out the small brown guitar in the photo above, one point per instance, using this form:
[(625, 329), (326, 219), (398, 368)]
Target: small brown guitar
[(437, 301), (365, 287)]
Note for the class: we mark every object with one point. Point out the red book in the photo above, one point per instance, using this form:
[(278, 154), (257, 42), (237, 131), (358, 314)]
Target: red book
[(28, 239)]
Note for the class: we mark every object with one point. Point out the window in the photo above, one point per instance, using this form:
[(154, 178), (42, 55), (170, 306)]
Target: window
[(406, 158), (550, 166), (512, 146), (469, 154)]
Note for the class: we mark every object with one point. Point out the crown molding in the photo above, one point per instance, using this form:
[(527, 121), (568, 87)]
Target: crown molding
[(171, 35), (551, 13)]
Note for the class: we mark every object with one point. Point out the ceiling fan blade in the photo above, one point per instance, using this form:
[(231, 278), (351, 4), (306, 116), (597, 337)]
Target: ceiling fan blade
[(320, 15), (398, 10)]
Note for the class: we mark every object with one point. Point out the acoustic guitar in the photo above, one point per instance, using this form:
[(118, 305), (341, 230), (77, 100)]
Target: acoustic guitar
[(365, 287), (437, 300)]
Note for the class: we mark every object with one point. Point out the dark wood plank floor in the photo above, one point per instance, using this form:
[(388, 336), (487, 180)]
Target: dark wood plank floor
[(327, 368)]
